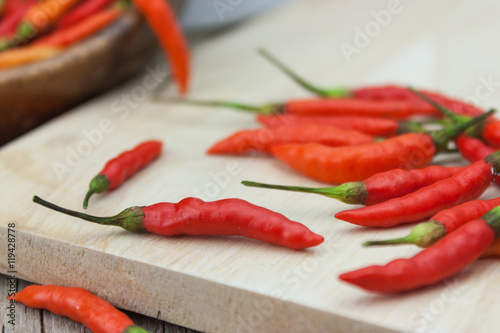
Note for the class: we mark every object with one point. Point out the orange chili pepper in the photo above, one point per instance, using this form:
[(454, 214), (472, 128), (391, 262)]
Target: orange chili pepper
[(25, 55), (162, 20), (72, 34)]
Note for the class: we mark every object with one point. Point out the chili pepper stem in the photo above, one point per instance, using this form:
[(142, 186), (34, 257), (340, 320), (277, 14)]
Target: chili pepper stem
[(338, 92), (134, 329), (98, 184), (267, 109), (351, 193), (423, 235), (129, 219)]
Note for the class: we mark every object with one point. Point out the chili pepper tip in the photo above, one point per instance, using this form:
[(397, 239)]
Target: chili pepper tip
[(135, 329), (98, 184), (424, 235)]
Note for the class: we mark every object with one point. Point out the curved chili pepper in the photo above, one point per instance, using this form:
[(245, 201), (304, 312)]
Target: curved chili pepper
[(25, 55), (263, 138), (445, 258), (473, 149), (367, 125), (122, 167), (467, 184), (377, 188), (79, 305), (41, 16), (376, 93), (80, 30), (339, 165), (83, 11), (443, 223), (324, 107), (192, 216), (162, 20)]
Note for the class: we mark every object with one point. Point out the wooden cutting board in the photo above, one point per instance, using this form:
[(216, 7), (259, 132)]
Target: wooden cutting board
[(230, 284)]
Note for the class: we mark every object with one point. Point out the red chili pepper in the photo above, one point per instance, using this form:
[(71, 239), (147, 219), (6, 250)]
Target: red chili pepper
[(81, 30), (339, 165), (493, 250), (443, 223), (377, 188), (79, 305), (325, 107), (12, 17), (162, 20), (83, 11), (377, 93), (367, 125), (192, 216), (473, 149), (447, 257), (122, 167), (468, 184), (263, 138)]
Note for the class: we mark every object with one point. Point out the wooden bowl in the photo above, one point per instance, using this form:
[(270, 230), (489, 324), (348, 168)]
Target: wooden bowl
[(34, 93)]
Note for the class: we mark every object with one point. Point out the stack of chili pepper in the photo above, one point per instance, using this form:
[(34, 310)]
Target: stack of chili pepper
[(33, 30)]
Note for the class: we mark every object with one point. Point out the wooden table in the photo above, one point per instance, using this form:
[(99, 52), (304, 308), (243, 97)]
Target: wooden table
[(229, 284)]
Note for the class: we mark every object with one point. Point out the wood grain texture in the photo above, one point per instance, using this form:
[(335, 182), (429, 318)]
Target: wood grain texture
[(230, 284)]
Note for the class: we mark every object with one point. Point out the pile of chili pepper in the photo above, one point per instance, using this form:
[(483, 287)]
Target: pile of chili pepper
[(32, 31)]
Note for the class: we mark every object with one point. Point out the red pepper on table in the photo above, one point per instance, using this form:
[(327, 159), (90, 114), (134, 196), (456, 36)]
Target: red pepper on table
[(83, 29), (324, 107), (79, 305), (192, 216), (376, 93), (122, 167), (467, 184), (443, 223), (368, 125), (83, 11), (162, 20), (9, 22), (445, 258), (339, 165), (377, 188), (263, 138)]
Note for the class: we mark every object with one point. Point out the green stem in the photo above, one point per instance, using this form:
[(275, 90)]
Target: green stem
[(439, 107), (424, 235), (268, 109), (338, 92), (135, 329), (98, 184), (493, 219), (352, 193), (129, 219)]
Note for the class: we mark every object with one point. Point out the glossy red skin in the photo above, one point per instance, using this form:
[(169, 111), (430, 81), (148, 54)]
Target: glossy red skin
[(162, 20), (455, 217), (128, 163), (356, 107), (393, 92), (12, 17), (77, 304), (229, 217), (63, 37), (447, 257), (491, 133), (263, 138), (397, 183), (473, 149), (83, 11), (368, 125), (468, 184), (339, 165)]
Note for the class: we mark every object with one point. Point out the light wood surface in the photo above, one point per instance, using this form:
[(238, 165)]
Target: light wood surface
[(230, 284)]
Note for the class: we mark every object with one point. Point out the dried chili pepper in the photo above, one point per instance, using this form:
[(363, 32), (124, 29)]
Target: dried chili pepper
[(79, 305), (122, 167), (25, 55), (83, 11), (443, 223), (445, 258), (467, 184), (75, 33), (324, 107), (377, 188), (367, 125), (263, 138), (377, 93), (339, 165), (192, 216), (162, 20)]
